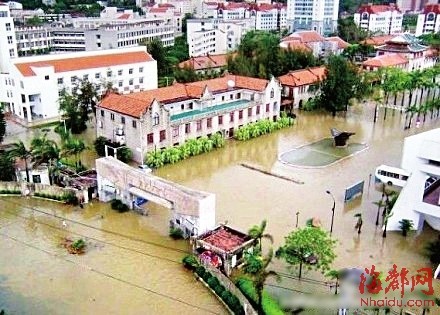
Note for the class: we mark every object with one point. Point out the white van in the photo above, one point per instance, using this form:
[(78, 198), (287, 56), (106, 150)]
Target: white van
[(391, 175)]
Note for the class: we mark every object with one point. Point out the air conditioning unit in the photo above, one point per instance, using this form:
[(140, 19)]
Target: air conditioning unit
[(120, 135)]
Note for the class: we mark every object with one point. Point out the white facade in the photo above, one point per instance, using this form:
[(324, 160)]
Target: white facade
[(8, 44), (218, 105), (214, 36), (34, 83), (417, 201), (379, 19), (31, 40), (316, 15), (428, 22)]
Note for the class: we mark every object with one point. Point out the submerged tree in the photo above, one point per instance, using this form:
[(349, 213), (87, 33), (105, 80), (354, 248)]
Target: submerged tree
[(257, 232), (20, 151), (309, 246)]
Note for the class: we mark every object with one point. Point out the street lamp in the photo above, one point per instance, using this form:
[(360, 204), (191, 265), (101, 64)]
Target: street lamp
[(297, 214), (333, 210)]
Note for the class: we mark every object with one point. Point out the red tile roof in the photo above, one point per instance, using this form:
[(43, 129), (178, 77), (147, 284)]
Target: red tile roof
[(135, 104), (388, 60), (342, 44), (435, 8), (124, 16), (303, 77), (305, 37), (225, 239), (205, 62), (166, 5), (375, 8), (296, 45), (159, 10), (378, 40), (86, 62)]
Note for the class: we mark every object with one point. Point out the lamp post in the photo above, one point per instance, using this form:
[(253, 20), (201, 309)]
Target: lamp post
[(333, 210), (297, 214)]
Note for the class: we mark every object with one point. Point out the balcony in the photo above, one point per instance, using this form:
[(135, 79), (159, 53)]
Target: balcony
[(432, 193), (209, 111)]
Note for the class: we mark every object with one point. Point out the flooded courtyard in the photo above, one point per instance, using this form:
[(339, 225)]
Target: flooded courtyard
[(132, 267)]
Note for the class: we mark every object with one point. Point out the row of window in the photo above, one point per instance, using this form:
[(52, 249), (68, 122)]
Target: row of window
[(109, 74)]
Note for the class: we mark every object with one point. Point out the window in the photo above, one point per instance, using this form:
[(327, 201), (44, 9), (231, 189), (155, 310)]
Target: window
[(141, 80), (272, 93), (231, 117), (150, 138), (156, 119), (119, 72), (98, 45), (23, 98), (209, 123), (97, 75), (86, 77), (199, 125), (10, 40), (8, 26), (130, 71), (267, 108), (46, 77), (258, 110), (238, 96), (162, 135), (141, 69), (130, 82), (223, 98), (133, 123), (109, 73), (190, 105), (176, 131), (240, 114), (122, 120), (11, 53), (73, 80), (120, 83), (220, 120), (60, 80), (231, 97), (36, 179), (112, 116), (187, 128), (102, 113), (250, 112)]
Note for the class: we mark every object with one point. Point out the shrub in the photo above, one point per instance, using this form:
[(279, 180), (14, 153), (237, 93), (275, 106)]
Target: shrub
[(213, 282), (206, 276), (119, 206), (124, 155), (9, 192), (79, 244), (190, 262), (176, 233), (99, 145), (70, 198), (262, 127), (200, 271), (219, 289)]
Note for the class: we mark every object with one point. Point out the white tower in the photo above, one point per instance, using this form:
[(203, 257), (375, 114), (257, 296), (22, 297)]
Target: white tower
[(8, 44)]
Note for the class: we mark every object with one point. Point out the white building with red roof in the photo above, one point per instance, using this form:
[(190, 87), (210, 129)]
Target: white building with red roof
[(171, 115), (428, 22), (30, 86), (379, 19), (315, 43)]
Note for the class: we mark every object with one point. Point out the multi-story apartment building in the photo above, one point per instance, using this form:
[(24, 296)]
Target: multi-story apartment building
[(171, 115), (32, 85), (403, 51), (300, 86), (33, 40), (429, 20), (379, 19), (216, 36), (419, 199), (316, 15), (413, 6), (8, 44)]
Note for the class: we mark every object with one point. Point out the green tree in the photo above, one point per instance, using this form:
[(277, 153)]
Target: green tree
[(349, 31), (2, 123), (341, 84), (6, 167), (100, 144), (20, 151), (74, 146), (34, 21), (157, 51), (76, 117), (303, 244), (406, 226), (86, 96), (334, 275), (257, 232)]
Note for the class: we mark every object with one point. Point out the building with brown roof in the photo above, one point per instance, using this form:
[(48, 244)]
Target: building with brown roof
[(379, 19), (171, 115), (314, 42), (300, 86), (386, 61), (205, 64), (31, 86), (428, 21)]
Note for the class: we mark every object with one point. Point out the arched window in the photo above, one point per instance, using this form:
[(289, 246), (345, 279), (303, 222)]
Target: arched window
[(155, 119), (430, 16), (365, 16), (272, 93)]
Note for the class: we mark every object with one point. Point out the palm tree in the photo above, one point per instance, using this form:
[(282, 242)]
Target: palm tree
[(20, 151), (257, 233), (334, 275), (390, 200), (74, 146), (406, 225), (45, 151)]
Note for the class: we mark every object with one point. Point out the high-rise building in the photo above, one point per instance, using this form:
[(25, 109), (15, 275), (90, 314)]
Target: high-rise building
[(413, 5), (316, 15), (379, 19), (8, 44)]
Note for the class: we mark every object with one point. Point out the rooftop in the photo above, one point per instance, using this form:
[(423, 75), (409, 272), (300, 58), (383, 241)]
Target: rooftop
[(225, 238), (388, 60), (303, 76), (375, 9), (342, 44), (84, 62), (378, 40), (305, 37), (135, 104), (205, 62), (435, 8)]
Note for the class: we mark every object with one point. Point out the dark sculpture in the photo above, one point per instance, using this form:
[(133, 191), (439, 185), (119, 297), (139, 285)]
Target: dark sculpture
[(340, 137)]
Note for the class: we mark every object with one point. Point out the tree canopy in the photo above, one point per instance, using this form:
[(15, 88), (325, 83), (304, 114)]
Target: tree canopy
[(301, 244), (349, 31)]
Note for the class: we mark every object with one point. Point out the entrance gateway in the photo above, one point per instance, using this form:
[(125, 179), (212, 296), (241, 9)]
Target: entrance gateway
[(192, 210)]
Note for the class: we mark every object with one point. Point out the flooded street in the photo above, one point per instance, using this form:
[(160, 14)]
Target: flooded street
[(132, 267)]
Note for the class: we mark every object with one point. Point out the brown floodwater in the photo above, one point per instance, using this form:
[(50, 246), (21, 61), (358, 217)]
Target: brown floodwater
[(132, 267)]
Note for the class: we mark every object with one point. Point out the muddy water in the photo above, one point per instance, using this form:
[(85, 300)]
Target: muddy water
[(132, 267)]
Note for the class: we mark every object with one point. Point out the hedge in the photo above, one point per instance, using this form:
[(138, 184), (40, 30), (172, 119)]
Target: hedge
[(262, 127), (68, 197), (190, 262), (192, 147), (9, 192), (269, 305), (227, 297)]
